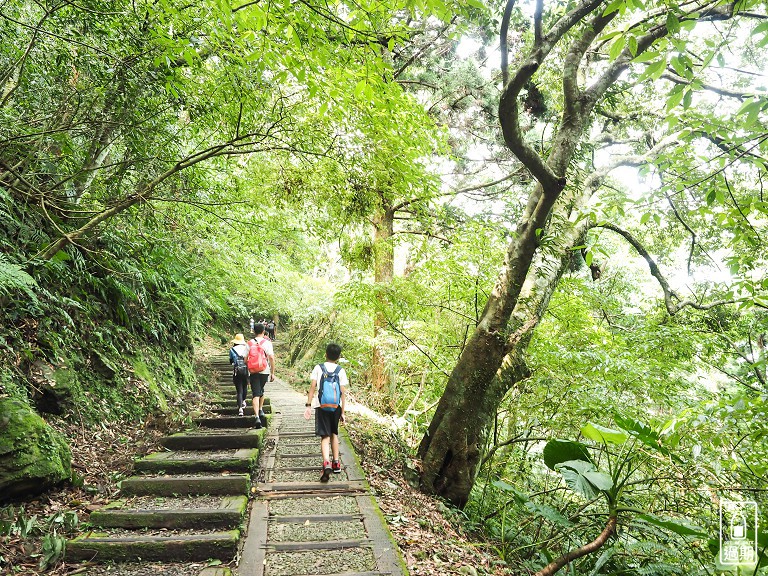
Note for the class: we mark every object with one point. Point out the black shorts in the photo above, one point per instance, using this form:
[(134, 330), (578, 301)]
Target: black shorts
[(327, 423), (257, 383)]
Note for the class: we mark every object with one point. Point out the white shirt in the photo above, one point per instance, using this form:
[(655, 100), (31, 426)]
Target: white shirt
[(317, 374), (266, 345), (241, 350)]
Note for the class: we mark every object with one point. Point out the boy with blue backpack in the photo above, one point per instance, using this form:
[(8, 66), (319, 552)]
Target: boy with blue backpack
[(330, 381)]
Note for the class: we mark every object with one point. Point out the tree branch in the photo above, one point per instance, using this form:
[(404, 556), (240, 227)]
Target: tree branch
[(672, 301), (672, 77), (593, 546), (508, 103)]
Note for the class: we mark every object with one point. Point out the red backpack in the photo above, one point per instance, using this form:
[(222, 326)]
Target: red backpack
[(257, 357)]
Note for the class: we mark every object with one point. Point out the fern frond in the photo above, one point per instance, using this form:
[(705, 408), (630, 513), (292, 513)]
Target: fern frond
[(14, 279)]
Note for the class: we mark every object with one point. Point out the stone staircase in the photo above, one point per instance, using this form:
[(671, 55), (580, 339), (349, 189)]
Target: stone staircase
[(185, 511), (187, 504)]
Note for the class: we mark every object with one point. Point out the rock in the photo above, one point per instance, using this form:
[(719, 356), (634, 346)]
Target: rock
[(468, 571), (33, 456), (53, 392)]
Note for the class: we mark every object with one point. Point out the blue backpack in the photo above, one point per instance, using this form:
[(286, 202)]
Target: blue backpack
[(239, 367), (329, 392)]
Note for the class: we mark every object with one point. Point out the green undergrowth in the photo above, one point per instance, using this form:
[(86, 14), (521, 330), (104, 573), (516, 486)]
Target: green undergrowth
[(433, 537)]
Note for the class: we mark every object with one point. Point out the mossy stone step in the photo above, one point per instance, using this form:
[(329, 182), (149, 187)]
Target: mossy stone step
[(242, 460), (229, 409), (227, 422), (214, 439), (230, 389), (233, 484), (194, 547), (228, 514), (140, 568)]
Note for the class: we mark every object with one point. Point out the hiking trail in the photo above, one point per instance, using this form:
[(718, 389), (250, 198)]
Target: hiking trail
[(187, 511)]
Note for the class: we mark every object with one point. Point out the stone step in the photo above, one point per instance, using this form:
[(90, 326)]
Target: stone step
[(125, 514), (340, 488), (230, 392), (352, 562), (232, 484), (230, 409), (227, 422), (319, 545), (103, 547), (242, 460), (214, 439), (315, 518), (154, 569), (230, 389)]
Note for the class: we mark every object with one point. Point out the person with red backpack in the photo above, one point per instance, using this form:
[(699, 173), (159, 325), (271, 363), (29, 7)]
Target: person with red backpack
[(261, 368)]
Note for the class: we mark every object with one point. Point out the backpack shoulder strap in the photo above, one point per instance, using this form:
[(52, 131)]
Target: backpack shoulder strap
[(337, 370)]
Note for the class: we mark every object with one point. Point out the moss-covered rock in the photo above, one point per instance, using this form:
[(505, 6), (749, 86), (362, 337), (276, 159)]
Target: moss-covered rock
[(33, 456), (53, 388)]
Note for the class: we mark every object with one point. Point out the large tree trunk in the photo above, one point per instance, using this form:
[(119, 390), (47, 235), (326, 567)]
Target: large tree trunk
[(384, 266), (493, 362), (490, 365), (494, 358)]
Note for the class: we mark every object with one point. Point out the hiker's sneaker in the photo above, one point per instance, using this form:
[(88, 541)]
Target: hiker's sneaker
[(326, 471), (258, 424), (336, 466), (244, 404), (240, 412), (262, 416)]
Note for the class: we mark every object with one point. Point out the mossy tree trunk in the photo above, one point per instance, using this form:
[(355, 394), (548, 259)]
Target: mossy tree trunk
[(384, 266), (494, 359)]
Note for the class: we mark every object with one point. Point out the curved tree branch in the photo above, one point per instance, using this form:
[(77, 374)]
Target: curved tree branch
[(672, 301), (503, 41), (509, 110), (596, 544), (672, 77)]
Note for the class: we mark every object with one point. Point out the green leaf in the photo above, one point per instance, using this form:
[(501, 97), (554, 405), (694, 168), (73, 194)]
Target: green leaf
[(674, 98), (673, 24), (682, 527), (501, 485), (748, 105), (559, 451), (603, 435), (655, 70), (616, 48), (582, 477), (687, 99), (613, 7), (645, 57), (258, 17), (360, 89), (632, 45), (647, 435), (549, 513), (720, 59), (602, 561)]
